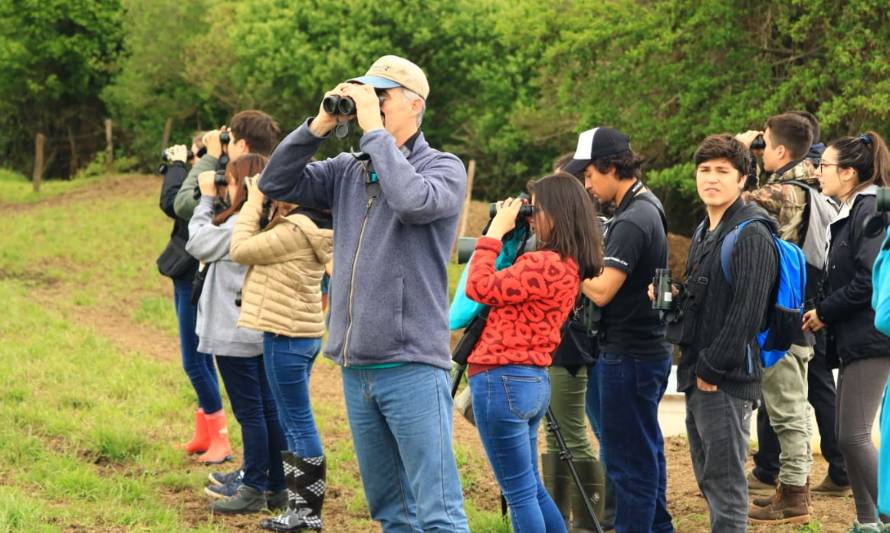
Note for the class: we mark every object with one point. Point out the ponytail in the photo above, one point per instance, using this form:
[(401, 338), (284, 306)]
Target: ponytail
[(868, 155)]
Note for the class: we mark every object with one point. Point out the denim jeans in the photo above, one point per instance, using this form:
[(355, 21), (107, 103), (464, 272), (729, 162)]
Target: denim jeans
[(630, 389), (254, 408), (718, 427), (198, 366), (592, 405), (508, 404), (288, 364), (401, 426)]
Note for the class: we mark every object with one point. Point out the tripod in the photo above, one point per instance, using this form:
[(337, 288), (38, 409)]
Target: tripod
[(564, 453)]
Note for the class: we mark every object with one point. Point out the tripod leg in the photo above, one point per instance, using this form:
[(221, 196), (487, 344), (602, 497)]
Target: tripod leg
[(566, 454)]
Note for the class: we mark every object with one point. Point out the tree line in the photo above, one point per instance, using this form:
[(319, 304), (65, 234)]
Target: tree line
[(513, 81)]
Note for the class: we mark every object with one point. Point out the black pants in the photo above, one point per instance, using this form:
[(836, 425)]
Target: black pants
[(823, 397)]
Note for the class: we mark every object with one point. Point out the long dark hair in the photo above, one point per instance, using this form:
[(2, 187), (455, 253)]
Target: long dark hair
[(238, 170), (868, 155), (576, 232)]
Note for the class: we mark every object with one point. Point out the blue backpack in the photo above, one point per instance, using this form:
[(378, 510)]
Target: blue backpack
[(785, 316)]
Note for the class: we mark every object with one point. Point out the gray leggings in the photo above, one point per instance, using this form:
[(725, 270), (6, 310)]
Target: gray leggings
[(860, 386)]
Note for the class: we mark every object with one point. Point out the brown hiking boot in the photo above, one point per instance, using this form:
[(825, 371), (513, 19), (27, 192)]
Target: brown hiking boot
[(830, 488), (788, 506), (763, 502), (759, 488)]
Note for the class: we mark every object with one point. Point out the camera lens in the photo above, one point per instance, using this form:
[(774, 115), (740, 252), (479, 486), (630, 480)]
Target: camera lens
[(224, 137)]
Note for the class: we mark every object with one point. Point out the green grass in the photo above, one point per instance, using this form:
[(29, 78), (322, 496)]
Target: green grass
[(17, 189), (85, 442)]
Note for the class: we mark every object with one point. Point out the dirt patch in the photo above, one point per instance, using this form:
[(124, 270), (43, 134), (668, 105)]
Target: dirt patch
[(118, 186)]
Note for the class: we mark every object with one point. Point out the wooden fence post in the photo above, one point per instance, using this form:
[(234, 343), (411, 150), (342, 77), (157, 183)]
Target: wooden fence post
[(37, 176), (109, 147), (464, 213), (168, 127)]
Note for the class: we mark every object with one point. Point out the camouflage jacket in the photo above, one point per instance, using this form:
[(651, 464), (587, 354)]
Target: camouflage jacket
[(786, 202)]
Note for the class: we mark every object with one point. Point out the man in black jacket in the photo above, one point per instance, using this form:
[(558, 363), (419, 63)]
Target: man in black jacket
[(715, 326)]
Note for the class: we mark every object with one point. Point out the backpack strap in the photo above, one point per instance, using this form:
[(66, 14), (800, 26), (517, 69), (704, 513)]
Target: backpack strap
[(727, 246)]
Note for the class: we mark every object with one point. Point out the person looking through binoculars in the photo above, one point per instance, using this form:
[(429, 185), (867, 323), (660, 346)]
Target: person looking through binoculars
[(396, 208)]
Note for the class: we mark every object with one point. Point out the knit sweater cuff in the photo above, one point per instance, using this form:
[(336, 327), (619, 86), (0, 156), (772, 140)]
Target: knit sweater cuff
[(489, 243), (707, 372)]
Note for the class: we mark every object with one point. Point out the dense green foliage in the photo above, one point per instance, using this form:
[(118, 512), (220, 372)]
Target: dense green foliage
[(512, 80)]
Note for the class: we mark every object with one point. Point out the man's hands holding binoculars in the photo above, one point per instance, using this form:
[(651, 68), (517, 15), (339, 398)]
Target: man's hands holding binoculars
[(367, 109)]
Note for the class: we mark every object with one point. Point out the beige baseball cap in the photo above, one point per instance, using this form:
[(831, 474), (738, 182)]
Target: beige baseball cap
[(393, 71)]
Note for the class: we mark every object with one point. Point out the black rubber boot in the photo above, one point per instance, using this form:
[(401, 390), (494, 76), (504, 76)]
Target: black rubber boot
[(558, 482), (305, 480), (593, 479)]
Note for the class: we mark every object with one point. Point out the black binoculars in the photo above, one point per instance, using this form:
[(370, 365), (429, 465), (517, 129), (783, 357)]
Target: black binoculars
[(758, 143), (525, 211), (664, 296), (219, 179), (338, 105)]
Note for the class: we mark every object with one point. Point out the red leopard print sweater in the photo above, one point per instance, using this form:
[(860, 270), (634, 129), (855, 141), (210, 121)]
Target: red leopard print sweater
[(529, 302)]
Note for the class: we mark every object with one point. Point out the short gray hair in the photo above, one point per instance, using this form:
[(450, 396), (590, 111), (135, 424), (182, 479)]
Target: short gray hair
[(411, 96)]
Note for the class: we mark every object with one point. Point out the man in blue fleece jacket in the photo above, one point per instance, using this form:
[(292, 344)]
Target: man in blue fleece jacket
[(396, 210)]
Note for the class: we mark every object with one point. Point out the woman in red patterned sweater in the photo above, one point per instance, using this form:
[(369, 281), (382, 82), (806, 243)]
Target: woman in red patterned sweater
[(529, 302)]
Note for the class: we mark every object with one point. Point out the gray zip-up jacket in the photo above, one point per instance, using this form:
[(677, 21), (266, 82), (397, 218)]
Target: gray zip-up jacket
[(392, 242), (217, 325)]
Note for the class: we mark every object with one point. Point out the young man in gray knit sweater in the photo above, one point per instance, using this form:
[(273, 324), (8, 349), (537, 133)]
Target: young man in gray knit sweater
[(715, 323)]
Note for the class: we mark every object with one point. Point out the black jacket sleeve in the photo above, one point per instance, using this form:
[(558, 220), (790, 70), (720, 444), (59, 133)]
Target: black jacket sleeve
[(173, 179), (855, 295)]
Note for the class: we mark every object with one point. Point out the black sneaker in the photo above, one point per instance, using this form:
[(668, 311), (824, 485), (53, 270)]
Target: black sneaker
[(225, 478), (246, 500), (222, 491)]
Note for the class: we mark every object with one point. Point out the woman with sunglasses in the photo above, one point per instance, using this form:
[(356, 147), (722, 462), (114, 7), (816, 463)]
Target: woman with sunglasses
[(529, 301), (851, 170)]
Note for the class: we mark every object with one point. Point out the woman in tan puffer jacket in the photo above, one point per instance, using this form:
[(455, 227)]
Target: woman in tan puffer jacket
[(282, 298)]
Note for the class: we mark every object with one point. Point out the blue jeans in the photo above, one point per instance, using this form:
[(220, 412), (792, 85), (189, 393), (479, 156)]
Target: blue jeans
[(198, 366), (630, 389), (254, 408), (401, 426), (288, 364), (508, 403)]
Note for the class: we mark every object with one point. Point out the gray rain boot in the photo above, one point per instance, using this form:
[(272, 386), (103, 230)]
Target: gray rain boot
[(558, 482), (593, 479)]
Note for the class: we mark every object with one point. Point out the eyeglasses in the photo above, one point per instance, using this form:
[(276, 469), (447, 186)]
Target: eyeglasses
[(823, 165)]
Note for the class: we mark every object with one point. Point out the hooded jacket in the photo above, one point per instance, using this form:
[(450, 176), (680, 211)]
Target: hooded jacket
[(389, 289), (847, 284), (720, 346), (282, 288), (217, 325)]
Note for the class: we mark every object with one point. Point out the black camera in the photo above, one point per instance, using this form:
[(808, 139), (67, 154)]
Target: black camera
[(758, 143), (224, 138), (338, 105)]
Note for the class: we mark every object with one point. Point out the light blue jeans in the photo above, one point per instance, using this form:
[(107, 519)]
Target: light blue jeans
[(509, 403), (401, 426)]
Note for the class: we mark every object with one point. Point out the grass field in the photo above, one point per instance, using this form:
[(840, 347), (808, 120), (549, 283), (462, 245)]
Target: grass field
[(92, 396)]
